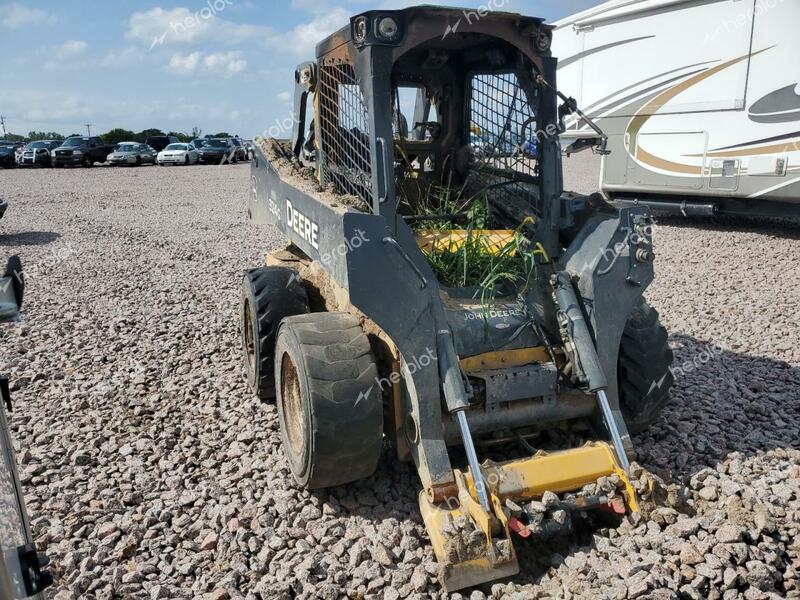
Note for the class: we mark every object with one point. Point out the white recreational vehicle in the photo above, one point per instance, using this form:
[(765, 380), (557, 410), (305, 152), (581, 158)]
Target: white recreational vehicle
[(700, 100)]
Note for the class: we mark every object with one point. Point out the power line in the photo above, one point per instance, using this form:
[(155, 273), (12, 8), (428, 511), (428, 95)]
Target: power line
[(89, 129), (3, 123)]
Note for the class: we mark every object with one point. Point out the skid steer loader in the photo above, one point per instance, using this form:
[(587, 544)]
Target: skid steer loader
[(404, 123)]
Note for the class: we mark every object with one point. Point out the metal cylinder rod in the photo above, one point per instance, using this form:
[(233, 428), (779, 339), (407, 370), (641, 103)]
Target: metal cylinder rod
[(521, 413), (611, 424), (472, 459)]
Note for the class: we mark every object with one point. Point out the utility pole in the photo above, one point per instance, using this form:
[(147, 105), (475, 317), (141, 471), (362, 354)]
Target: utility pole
[(89, 129), (3, 123)]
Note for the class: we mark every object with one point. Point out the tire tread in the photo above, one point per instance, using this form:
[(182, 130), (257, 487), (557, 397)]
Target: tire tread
[(275, 293), (346, 431), (644, 371)]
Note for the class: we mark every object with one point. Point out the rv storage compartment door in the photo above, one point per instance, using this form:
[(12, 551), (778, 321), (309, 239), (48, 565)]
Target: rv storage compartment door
[(669, 56)]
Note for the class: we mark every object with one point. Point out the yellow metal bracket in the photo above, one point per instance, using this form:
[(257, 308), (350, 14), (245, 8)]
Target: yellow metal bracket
[(504, 359), (558, 472), (473, 546), (493, 241)]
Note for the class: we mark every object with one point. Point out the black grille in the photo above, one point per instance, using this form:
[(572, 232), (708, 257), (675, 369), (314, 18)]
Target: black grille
[(344, 132), (499, 116)]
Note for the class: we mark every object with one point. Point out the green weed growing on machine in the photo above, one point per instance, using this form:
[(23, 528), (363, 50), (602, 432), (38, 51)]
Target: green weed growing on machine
[(474, 257)]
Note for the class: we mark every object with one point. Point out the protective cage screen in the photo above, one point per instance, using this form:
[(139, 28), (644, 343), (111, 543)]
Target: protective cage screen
[(503, 137), (344, 132)]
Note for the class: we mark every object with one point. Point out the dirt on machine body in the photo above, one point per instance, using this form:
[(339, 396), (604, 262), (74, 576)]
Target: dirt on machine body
[(440, 288)]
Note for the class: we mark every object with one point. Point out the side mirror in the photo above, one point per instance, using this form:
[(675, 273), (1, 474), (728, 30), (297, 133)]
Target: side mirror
[(12, 287)]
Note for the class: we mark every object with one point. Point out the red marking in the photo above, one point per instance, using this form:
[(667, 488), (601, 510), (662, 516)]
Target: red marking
[(518, 527), (618, 506)]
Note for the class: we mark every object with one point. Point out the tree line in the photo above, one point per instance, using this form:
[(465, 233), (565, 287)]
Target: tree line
[(116, 135)]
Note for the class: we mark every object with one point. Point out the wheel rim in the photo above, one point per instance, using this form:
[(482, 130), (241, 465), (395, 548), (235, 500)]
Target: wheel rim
[(292, 403), (249, 340)]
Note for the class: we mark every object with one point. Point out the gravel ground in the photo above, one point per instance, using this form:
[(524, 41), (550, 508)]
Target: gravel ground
[(150, 472)]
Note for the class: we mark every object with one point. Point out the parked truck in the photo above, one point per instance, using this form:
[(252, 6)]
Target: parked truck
[(82, 151)]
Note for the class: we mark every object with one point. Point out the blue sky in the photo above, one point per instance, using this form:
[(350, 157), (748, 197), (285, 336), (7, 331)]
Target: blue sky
[(221, 65)]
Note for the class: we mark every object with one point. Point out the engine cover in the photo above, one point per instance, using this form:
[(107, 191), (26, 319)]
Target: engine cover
[(501, 324)]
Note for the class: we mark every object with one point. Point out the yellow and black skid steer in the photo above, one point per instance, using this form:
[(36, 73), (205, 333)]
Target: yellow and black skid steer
[(440, 288)]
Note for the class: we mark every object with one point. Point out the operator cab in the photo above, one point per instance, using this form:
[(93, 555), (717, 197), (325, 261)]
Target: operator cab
[(450, 101), (464, 124)]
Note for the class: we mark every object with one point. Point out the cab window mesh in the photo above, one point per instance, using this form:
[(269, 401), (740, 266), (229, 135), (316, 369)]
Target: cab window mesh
[(499, 116), (344, 132)]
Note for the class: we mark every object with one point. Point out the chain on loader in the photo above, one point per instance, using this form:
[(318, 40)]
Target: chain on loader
[(441, 289)]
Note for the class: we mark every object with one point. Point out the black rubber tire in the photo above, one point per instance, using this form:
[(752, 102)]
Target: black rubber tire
[(138, 161), (643, 372), (268, 295), (88, 162), (327, 381)]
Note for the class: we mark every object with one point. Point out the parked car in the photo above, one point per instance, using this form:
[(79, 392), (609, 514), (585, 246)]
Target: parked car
[(38, 153), (132, 153), (240, 151), (177, 154), (7, 156), (198, 143), (217, 150), (159, 142), (248, 146), (81, 150)]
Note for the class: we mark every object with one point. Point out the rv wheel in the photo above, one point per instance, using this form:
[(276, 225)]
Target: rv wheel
[(329, 399)]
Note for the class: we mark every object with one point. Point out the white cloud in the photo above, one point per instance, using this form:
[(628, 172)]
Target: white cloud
[(225, 63), (284, 97), (37, 107), (184, 63), (303, 39), (34, 109), (117, 57), (221, 64), (69, 49), (158, 26), (16, 15), (314, 6), (70, 54)]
